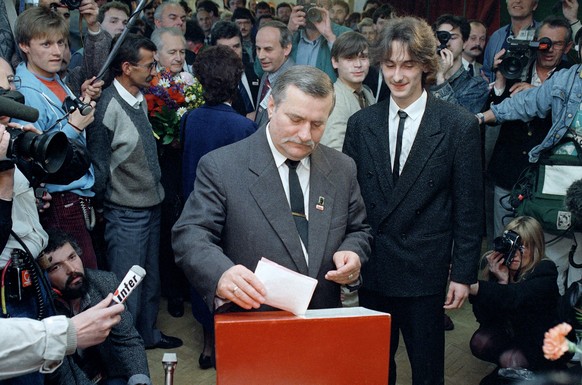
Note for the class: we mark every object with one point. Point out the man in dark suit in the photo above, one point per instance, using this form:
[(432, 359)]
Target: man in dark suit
[(240, 208), (426, 214), (227, 33)]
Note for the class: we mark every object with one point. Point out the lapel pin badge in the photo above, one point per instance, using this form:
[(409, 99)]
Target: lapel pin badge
[(320, 204)]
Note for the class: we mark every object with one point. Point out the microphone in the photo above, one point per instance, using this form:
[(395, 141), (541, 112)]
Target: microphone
[(13, 109), (573, 202), (133, 278)]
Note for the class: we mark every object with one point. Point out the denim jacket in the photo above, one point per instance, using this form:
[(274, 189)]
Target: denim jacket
[(561, 94)]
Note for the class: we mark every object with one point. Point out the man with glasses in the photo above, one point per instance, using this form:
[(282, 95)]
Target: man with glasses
[(517, 137), (127, 182)]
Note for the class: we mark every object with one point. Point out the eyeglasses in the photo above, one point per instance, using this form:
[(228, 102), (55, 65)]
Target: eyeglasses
[(149, 67), (559, 44), (14, 80)]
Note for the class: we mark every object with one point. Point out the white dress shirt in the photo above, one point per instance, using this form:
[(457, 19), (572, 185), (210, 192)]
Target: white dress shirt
[(415, 112)]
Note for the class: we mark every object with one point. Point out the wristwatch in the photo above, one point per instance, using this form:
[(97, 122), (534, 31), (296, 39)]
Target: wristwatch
[(480, 117), (354, 285), (6, 164)]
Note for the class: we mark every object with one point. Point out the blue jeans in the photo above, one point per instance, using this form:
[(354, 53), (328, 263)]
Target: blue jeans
[(133, 238)]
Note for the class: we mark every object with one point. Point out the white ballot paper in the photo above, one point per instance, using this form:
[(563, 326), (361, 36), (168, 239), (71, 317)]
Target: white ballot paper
[(286, 289)]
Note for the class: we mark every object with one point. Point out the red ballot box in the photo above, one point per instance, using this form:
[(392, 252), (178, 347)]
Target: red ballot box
[(330, 346)]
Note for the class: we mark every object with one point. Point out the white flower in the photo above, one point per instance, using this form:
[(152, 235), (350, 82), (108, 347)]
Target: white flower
[(164, 83), (187, 78), (181, 111), (187, 99)]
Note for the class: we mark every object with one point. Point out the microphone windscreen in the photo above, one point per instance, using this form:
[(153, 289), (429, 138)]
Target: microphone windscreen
[(13, 109), (138, 270)]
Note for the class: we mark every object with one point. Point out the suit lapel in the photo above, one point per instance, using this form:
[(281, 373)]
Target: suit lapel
[(321, 206), (269, 196), (379, 146)]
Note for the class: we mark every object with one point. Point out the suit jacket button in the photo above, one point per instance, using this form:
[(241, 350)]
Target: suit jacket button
[(403, 236), (417, 212), (431, 183)]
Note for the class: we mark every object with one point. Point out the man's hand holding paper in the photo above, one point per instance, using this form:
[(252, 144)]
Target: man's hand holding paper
[(239, 285)]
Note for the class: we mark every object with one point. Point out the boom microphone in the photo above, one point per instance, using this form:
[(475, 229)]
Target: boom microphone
[(133, 278), (9, 106)]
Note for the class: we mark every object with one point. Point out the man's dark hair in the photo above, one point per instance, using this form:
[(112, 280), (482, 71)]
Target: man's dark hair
[(219, 70), (349, 45), (456, 21), (283, 5), (208, 6), (194, 33), (263, 5), (186, 7), (242, 13), (224, 30), (554, 21), (111, 5), (129, 51), (58, 238), (386, 11)]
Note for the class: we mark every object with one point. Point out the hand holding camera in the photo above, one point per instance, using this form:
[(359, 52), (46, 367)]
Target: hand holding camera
[(497, 267)]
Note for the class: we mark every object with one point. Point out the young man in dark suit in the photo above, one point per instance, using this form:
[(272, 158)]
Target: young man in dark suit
[(426, 213)]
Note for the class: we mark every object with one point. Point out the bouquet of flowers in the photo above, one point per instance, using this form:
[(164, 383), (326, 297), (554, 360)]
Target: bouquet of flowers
[(169, 97), (556, 343)]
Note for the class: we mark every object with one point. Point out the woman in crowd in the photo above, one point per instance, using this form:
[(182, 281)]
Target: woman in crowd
[(516, 303), (214, 124)]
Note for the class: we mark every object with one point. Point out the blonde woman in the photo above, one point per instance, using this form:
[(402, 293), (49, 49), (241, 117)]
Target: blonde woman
[(516, 301)]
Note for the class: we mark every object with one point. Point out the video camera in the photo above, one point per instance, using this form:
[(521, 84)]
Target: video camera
[(47, 150), (508, 244), (518, 54)]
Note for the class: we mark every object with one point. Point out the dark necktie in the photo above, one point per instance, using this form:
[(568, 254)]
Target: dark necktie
[(470, 69), (296, 200), (396, 169), (361, 99), (266, 88), (242, 91)]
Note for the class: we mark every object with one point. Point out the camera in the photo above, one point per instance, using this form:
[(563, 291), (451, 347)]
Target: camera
[(508, 244), (71, 4), (518, 54), (314, 15), (47, 150), (443, 37)]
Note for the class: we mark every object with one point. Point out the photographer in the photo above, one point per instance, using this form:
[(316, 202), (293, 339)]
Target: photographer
[(41, 34), (313, 36), (516, 304), (526, 121)]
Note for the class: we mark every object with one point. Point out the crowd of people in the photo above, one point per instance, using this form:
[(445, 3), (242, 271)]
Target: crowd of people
[(368, 150)]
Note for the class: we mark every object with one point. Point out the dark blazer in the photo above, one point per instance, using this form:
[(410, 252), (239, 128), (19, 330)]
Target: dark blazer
[(205, 129), (438, 200), (238, 213), (239, 104)]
